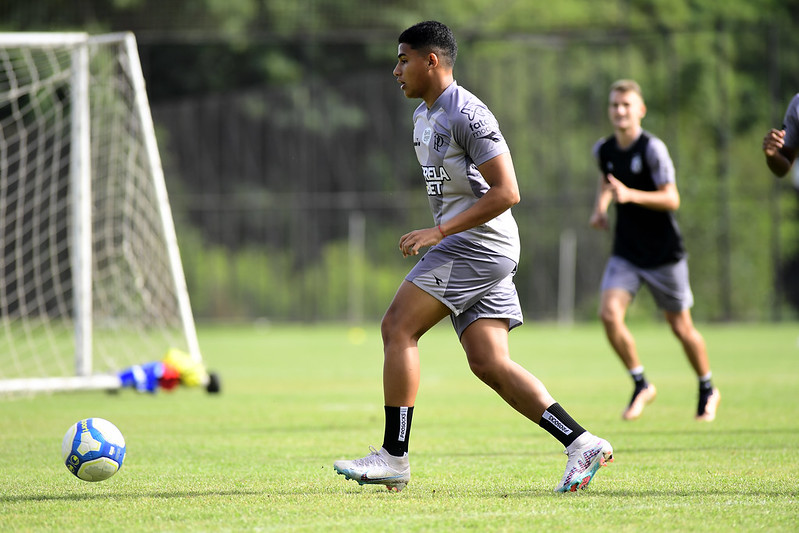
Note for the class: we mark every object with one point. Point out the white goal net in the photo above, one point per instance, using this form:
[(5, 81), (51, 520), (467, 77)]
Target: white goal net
[(90, 275)]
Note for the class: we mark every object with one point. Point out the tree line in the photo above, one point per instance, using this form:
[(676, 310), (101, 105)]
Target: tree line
[(277, 120)]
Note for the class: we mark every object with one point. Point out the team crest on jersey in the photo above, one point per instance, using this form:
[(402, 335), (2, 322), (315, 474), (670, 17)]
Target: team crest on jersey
[(427, 134), (635, 164)]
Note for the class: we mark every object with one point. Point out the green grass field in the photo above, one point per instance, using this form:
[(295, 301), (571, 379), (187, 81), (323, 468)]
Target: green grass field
[(259, 456)]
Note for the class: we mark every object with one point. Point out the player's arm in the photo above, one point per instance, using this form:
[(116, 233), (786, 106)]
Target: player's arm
[(503, 193), (779, 157), (599, 218), (665, 198)]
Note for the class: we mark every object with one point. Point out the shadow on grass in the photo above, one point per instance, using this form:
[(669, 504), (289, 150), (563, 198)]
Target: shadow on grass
[(699, 492), (120, 496), (767, 439), (711, 431)]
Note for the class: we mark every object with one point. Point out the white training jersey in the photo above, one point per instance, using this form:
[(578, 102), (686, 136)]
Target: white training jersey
[(791, 124), (452, 138)]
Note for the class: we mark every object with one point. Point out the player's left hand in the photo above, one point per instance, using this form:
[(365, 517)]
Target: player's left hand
[(410, 243)]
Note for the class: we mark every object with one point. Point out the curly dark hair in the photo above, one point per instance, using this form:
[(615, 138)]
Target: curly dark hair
[(432, 36)]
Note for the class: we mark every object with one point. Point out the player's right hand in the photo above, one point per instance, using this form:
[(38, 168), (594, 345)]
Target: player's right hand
[(773, 142), (410, 243), (599, 220)]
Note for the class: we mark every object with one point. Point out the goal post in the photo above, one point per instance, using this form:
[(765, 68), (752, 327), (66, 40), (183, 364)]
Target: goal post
[(91, 279)]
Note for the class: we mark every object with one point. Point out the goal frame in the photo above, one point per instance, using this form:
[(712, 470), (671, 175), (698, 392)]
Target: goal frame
[(81, 199)]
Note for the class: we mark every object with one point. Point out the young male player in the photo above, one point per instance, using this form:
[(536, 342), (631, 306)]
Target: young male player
[(636, 172), (467, 274), (782, 146)]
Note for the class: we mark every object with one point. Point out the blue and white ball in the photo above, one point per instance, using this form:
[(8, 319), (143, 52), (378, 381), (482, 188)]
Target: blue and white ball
[(93, 449)]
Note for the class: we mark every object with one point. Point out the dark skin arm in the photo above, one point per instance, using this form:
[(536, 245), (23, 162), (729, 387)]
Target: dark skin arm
[(779, 157)]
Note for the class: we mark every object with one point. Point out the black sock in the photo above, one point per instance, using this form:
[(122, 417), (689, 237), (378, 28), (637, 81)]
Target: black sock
[(558, 422), (705, 385), (639, 380), (705, 390), (398, 430)]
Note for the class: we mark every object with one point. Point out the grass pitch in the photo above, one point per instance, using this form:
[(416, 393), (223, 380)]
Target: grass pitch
[(295, 399)]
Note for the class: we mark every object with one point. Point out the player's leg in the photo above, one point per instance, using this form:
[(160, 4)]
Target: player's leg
[(486, 344), (620, 283), (695, 349), (410, 315), (671, 289), (612, 312), (693, 343)]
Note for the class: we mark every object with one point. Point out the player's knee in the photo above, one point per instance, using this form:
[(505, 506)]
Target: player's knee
[(684, 332), (482, 371), (682, 326), (485, 368), (394, 328), (610, 316), (388, 328)]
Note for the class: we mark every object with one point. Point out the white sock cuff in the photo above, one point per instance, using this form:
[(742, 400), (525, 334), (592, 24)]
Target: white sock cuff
[(706, 377), (637, 371)]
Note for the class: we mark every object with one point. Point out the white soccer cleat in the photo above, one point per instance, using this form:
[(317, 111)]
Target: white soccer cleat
[(586, 455), (638, 402), (377, 468)]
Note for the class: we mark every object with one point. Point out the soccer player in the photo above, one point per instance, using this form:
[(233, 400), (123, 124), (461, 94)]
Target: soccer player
[(782, 146), (467, 273), (637, 174)]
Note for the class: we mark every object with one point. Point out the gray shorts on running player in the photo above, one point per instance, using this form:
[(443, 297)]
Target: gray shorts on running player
[(668, 284), (473, 281)]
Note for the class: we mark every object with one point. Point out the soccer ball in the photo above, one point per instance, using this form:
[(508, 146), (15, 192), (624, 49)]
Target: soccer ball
[(93, 449)]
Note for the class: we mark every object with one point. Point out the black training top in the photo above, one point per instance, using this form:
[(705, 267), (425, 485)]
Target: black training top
[(647, 238)]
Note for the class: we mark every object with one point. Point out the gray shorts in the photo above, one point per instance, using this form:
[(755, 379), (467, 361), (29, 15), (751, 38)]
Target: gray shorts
[(668, 284), (473, 281)]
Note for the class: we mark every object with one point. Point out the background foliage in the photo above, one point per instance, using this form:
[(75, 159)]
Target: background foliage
[(285, 139)]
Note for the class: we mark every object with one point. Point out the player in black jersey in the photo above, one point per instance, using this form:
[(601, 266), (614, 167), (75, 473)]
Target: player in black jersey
[(637, 174)]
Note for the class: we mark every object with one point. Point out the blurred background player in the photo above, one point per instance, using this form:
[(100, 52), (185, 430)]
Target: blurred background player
[(467, 273), (782, 146), (637, 174)]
